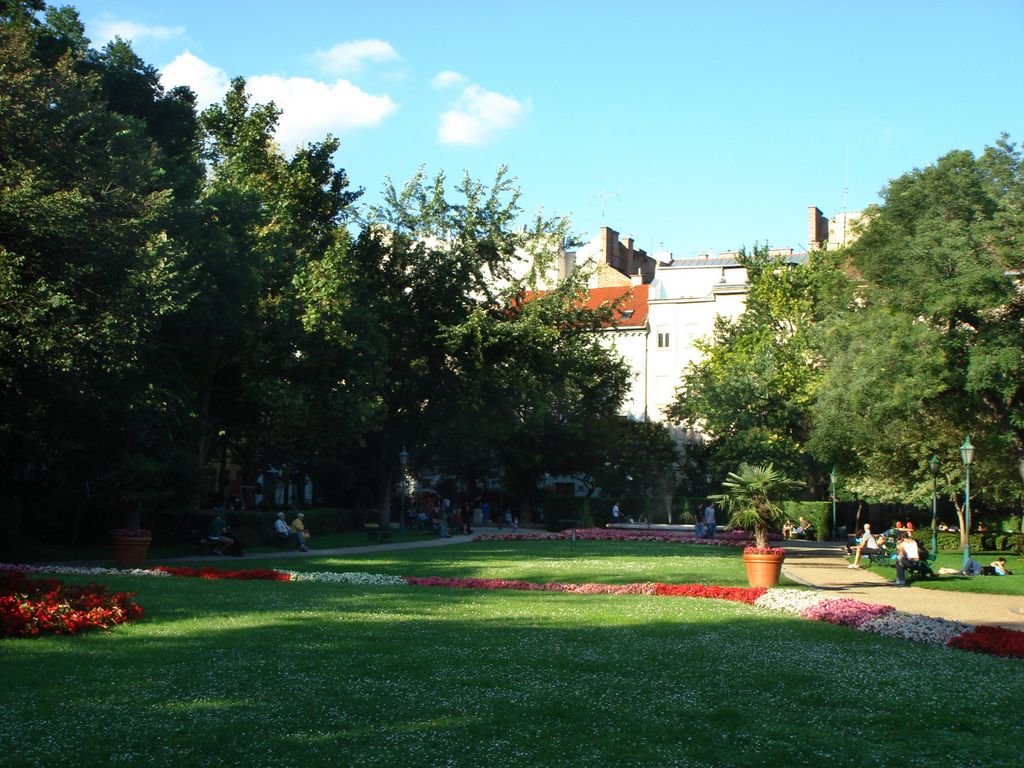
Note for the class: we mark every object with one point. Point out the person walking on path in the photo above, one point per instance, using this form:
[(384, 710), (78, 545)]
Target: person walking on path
[(709, 520)]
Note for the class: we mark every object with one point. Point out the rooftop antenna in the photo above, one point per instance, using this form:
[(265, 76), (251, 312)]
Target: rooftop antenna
[(846, 166), (603, 195)]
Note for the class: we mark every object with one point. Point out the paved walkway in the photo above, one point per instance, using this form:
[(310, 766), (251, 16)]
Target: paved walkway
[(395, 544), (823, 565)]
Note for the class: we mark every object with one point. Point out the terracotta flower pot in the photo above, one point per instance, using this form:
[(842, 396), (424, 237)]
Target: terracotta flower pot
[(131, 551), (763, 570)]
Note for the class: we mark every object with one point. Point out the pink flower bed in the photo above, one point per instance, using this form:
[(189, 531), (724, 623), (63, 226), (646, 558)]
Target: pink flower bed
[(722, 538), (471, 583), (846, 612), (641, 588)]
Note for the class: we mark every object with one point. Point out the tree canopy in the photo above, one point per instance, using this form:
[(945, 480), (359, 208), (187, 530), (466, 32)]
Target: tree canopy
[(174, 289), (933, 348)]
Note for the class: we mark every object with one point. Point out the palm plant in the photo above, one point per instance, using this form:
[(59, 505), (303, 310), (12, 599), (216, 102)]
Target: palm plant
[(749, 499)]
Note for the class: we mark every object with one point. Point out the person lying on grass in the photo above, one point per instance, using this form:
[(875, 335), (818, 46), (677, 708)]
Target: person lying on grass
[(973, 568)]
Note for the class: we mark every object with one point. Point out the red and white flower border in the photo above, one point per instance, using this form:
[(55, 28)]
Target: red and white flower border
[(879, 619)]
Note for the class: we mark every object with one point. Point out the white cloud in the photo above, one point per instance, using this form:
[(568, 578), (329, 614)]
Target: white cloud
[(311, 109), (479, 115), (208, 82), (109, 27), (447, 78), (349, 57)]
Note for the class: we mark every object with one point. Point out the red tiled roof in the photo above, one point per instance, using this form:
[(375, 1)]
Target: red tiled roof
[(632, 313), (635, 303)]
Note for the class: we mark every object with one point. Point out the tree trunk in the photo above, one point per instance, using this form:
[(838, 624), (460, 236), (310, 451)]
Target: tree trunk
[(384, 483), (960, 520)]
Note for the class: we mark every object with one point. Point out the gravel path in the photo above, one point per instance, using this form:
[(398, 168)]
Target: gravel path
[(823, 565)]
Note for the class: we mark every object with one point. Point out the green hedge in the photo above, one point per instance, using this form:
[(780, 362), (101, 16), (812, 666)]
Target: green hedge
[(982, 542), (818, 512), (256, 526)]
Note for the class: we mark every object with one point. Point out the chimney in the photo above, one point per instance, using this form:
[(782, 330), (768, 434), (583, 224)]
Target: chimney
[(817, 228)]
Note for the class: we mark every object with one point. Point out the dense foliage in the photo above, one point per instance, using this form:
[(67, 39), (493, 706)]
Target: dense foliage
[(174, 291), (873, 358)]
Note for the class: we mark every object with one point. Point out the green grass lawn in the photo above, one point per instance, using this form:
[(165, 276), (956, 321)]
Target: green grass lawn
[(160, 552), (303, 674), (542, 561)]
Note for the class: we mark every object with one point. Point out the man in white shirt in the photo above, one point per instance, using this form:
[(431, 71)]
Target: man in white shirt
[(908, 553), (867, 542)]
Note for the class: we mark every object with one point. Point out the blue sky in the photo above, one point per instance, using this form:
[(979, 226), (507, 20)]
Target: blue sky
[(694, 125)]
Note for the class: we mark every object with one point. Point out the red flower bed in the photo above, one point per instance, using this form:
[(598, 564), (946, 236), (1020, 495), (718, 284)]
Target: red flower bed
[(736, 594), (247, 574), (995, 640), (722, 538), (32, 607)]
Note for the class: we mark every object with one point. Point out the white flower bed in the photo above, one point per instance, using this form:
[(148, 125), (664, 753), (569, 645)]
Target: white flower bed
[(363, 579), (920, 629), (789, 600), (70, 570)]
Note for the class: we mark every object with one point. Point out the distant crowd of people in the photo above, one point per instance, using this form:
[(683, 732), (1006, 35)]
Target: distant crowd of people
[(442, 517)]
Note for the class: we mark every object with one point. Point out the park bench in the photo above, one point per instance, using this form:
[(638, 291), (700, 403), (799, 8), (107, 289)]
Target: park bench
[(375, 534), (921, 569), (807, 534), (915, 569)]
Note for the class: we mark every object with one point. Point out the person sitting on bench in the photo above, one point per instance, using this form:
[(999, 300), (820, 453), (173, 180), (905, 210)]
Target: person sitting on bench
[(907, 556), (286, 534), (215, 535), (867, 542), (299, 526)]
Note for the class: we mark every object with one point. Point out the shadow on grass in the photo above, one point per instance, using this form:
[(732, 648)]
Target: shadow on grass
[(316, 674)]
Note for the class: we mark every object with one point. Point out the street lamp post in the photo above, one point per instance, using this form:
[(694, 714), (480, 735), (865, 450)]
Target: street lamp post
[(832, 477), (967, 456), (403, 460), (933, 468)]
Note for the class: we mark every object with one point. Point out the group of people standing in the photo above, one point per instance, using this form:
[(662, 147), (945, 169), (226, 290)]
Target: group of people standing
[(704, 522)]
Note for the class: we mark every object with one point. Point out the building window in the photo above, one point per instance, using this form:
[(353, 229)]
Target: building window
[(664, 338)]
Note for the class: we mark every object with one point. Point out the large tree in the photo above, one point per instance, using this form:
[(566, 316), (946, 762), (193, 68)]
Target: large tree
[(537, 391), (259, 378), (90, 259), (934, 347), (750, 394)]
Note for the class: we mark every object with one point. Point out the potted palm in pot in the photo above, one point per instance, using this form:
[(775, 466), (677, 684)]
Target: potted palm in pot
[(749, 500)]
